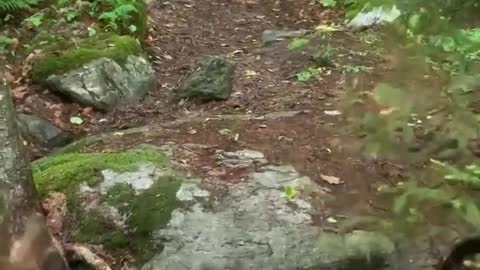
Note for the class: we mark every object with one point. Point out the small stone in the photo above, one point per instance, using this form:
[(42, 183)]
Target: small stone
[(42, 131), (212, 80)]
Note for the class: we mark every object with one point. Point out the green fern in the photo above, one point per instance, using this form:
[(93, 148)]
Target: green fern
[(121, 12), (12, 5)]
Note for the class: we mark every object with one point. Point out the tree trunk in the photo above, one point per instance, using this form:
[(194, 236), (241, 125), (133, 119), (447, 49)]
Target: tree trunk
[(18, 195)]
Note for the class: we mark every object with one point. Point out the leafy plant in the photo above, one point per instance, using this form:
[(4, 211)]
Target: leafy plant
[(70, 13), (91, 31), (120, 13), (5, 42), (323, 57), (412, 197), (356, 68), (335, 3), (308, 74), (290, 193), (298, 43), (35, 20), (328, 3)]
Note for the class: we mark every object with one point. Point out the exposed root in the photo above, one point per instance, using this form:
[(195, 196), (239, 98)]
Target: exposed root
[(87, 256), (56, 207)]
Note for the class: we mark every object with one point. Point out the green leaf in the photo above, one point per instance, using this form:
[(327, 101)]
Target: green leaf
[(91, 32), (76, 120), (132, 28), (290, 193), (328, 3), (298, 43), (35, 20), (304, 75)]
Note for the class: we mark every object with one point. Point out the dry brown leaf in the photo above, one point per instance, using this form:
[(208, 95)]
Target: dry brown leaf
[(8, 77), (333, 180), (19, 92), (388, 111)]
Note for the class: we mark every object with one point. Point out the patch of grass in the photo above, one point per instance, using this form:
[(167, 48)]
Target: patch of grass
[(115, 47)]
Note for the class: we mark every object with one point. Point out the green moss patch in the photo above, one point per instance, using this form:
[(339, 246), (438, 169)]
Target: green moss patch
[(66, 171), (143, 211), (114, 47), (146, 212)]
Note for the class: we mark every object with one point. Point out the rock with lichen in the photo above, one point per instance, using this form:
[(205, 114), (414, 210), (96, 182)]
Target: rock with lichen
[(256, 227), (212, 80), (118, 199), (137, 201), (102, 73), (42, 131)]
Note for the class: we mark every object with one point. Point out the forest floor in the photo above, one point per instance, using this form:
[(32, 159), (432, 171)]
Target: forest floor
[(317, 142)]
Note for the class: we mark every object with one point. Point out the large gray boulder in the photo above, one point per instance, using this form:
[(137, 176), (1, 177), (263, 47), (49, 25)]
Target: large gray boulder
[(212, 80), (104, 83), (256, 227)]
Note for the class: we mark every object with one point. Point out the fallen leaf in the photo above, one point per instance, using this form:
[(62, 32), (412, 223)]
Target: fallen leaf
[(388, 111), (331, 179), (76, 120), (327, 28), (331, 220), (8, 77), (333, 112), (19, 92), (250, 73)]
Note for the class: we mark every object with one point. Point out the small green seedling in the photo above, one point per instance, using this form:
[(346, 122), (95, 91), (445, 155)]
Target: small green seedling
[(290, 193)]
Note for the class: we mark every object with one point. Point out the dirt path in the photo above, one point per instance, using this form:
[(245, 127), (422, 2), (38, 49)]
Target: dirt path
[(183, 32)]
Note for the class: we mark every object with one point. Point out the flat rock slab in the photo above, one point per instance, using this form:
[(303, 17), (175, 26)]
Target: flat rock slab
[(104, 83), (255, 227)]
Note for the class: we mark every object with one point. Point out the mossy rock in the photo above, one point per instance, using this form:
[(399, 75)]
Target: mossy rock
[(65, 171), (145, 212), (212, 80), (114, 47), (122, 216)]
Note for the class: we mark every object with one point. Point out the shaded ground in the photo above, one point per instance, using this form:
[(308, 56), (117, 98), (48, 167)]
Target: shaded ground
[(315, 143), (183, 32)]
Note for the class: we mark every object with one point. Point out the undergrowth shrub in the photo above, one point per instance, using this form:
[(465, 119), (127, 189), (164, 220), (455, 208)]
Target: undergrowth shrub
[(456, 193)]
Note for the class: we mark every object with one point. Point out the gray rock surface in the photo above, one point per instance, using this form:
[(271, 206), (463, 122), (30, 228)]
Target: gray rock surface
[(104, 83), (241, 158), (42, 131), (255, 227), (377, 15), (212, 80)]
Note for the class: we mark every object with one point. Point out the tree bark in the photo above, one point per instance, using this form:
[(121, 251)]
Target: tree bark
[(18, 195)]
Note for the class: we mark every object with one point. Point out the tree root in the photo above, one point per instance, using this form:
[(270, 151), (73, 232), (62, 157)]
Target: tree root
[(86, 255), (56, 207)]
